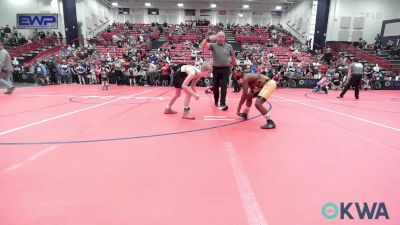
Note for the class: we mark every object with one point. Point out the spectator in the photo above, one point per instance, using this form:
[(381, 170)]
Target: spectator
[(60, 37), (165, 72), (6, 69), (152, 73)]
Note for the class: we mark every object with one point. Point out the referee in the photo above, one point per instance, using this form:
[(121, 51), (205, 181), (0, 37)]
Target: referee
[(223, 58), (355, 75)]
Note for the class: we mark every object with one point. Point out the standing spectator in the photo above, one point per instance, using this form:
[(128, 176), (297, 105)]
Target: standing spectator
[(7, 31), (60, 37), (328, 57), (165, 72), (223, 58), (152, 73), (42, 35), (66, 76), (104, 71), (118, 71), (73, 72), (6, 69), (81, 71), (132, 72), (38, 71)]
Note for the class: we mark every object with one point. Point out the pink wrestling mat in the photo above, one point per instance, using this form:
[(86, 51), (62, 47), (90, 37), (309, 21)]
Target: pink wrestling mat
[(77, 155)]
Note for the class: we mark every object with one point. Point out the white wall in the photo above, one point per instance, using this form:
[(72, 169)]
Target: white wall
[(373, 12), (297, 21), (174, 16), (12, 7), (92, 14)]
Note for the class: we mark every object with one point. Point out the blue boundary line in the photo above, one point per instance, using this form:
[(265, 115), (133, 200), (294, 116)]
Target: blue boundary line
[(131, 137)]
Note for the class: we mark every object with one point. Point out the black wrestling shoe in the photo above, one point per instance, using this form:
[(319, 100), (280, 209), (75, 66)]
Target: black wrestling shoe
[(243, 115), (339, 97), (269, 125), (223, 107)]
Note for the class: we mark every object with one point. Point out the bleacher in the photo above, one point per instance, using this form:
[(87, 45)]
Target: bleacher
[(195, 33), (113, 50), (25, 53), (182, 53)]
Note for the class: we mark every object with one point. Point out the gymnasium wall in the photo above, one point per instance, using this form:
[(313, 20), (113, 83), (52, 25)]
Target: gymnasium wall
[(10, 9), (297, 20), (174, 16), (350, 20), (92, 15)]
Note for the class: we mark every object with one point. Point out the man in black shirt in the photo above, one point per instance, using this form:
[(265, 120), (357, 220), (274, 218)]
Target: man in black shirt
[(355, 75)]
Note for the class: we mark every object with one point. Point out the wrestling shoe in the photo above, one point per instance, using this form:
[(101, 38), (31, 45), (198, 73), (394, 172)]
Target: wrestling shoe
[(223, 107), (243, 115), (9, 90), (188, 115), (169, 111), (269, 125)]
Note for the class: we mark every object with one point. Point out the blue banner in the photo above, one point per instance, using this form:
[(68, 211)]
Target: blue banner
[(37, 21), (303, 83), (386, 85)]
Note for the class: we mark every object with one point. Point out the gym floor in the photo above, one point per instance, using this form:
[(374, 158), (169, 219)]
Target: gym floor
[(78, 155)]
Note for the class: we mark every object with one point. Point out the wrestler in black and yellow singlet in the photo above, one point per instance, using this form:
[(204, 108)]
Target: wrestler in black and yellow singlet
[(263, 87)]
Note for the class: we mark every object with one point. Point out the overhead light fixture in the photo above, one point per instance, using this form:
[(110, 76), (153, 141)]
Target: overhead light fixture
[(245, 6), (240, 14), (154, 13), (147, 4), (213, 5), (114, 4), (180, 4), (278, 7)]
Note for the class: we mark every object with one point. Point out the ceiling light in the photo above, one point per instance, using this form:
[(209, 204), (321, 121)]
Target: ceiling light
[(278, 7), (245, 6), (240, 15), (213, 5), (147, 4), (180, 4), (114, 4)]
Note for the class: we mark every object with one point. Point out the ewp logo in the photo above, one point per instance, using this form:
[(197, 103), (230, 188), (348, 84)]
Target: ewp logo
[(331, 211), (37, 21)]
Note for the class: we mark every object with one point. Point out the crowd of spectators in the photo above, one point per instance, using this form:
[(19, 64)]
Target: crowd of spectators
[(123, 50), (13, 38)]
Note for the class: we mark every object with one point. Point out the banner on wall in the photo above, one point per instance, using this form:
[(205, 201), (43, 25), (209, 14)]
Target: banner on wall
[(222, 12), (37, 21), (303, 83), (386, 85), (276, 13), (205, 12), (257, 13)]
